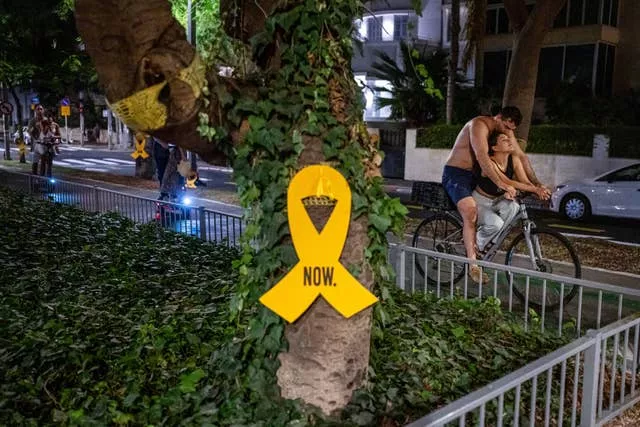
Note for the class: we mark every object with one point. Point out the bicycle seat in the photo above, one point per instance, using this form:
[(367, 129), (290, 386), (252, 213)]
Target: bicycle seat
[(431, 195)]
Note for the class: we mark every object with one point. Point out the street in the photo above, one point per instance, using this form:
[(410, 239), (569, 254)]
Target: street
[(624, 231)]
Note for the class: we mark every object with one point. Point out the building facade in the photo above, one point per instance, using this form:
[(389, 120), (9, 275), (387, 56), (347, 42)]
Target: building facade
[(592, 43), (588, 39), (387, 24)]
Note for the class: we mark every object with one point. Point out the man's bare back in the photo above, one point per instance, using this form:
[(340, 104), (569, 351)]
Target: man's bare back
[(462, 155)]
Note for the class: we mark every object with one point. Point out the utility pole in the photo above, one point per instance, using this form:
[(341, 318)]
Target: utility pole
[(191, 37)]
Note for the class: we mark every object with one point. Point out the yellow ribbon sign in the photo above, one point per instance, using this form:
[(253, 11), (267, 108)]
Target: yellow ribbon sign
[(22, 147), (191, 181), (140, 152), (319, 271)]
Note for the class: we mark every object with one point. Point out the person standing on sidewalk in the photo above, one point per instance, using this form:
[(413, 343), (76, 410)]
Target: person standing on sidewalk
[(35, 131)]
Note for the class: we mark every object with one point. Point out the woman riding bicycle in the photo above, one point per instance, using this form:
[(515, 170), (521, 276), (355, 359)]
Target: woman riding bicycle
[(494, 210)]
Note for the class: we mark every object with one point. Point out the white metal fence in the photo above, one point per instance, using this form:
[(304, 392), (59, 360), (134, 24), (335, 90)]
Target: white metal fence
[(209, 225), (587, 382), (577, 304)]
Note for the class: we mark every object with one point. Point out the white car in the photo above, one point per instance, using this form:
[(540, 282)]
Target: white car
[(614, 193)]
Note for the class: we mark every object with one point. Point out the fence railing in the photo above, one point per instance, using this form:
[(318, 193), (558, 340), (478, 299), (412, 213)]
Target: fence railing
[(587, 382), (577, 305), (208, 225), (584, 383)]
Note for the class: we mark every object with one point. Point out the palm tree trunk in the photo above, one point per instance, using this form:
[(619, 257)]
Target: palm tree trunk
[(453, 59)]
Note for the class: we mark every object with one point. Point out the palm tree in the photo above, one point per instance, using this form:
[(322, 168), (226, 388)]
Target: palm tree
[(416, 85)]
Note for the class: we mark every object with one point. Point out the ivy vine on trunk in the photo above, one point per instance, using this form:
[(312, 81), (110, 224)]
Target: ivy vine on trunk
[(303, 109)]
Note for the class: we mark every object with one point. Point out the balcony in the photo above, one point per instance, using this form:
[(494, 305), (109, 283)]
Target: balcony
[(384, 5)]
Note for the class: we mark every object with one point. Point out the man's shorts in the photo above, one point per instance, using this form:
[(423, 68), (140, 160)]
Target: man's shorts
[(458, 183)]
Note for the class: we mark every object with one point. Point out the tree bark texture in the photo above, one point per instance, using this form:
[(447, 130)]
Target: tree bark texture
[(328, 355), (529, 32), (146, 168), (136, 44), (453, 58)]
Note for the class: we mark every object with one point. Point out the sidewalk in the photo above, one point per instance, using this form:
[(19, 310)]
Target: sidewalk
[(152, 194)]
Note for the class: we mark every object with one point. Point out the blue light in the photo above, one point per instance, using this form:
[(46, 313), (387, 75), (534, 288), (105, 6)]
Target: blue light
[(187, 201), (51, 180)]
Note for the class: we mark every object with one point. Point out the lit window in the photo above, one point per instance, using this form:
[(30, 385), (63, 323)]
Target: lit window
[(374, 29), (400, 27)]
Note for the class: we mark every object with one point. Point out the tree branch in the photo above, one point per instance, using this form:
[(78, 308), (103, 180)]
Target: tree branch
[(517, 12), (549, 10), (132, 53)]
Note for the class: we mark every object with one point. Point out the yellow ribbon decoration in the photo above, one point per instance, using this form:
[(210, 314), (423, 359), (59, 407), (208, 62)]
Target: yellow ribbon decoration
[(140, 151), (318, 271), (22, 147), (143, 111), (191, 181)]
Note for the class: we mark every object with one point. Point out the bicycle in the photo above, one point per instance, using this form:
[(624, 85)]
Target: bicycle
[(543, 250), (47, 153)]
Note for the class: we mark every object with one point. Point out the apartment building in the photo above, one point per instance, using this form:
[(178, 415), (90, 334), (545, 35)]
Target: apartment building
[(386, 24), (592, 42)]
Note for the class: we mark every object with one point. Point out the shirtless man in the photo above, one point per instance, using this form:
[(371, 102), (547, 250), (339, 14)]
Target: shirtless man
[(470, 151)]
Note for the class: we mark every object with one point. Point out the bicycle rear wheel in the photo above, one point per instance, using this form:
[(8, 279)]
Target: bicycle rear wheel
[(440, 233), (555, 256)]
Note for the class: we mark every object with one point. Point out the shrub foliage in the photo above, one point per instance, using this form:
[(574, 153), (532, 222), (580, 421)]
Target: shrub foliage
[(550, 139)]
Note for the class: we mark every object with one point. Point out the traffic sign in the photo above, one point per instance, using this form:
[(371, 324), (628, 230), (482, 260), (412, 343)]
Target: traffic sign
[(65, 102), (6, 108), (65, 111), (35, 100)]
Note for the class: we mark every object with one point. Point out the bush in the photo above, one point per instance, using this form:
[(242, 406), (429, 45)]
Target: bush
[(625, 142), (574, 104), (438, 136), (105, 322), (549, 139), (567, 140)]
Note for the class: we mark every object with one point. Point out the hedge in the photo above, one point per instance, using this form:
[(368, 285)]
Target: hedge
[(548, 139)]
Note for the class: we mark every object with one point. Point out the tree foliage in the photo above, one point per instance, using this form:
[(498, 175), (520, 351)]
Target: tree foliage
[(41, 49), (417, 83)]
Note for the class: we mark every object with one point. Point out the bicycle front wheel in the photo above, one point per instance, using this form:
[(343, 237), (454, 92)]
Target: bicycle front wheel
[(553, 254), (439, 233)]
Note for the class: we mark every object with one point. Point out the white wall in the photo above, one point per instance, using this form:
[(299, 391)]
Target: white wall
[(426, 164), (430, 24)]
